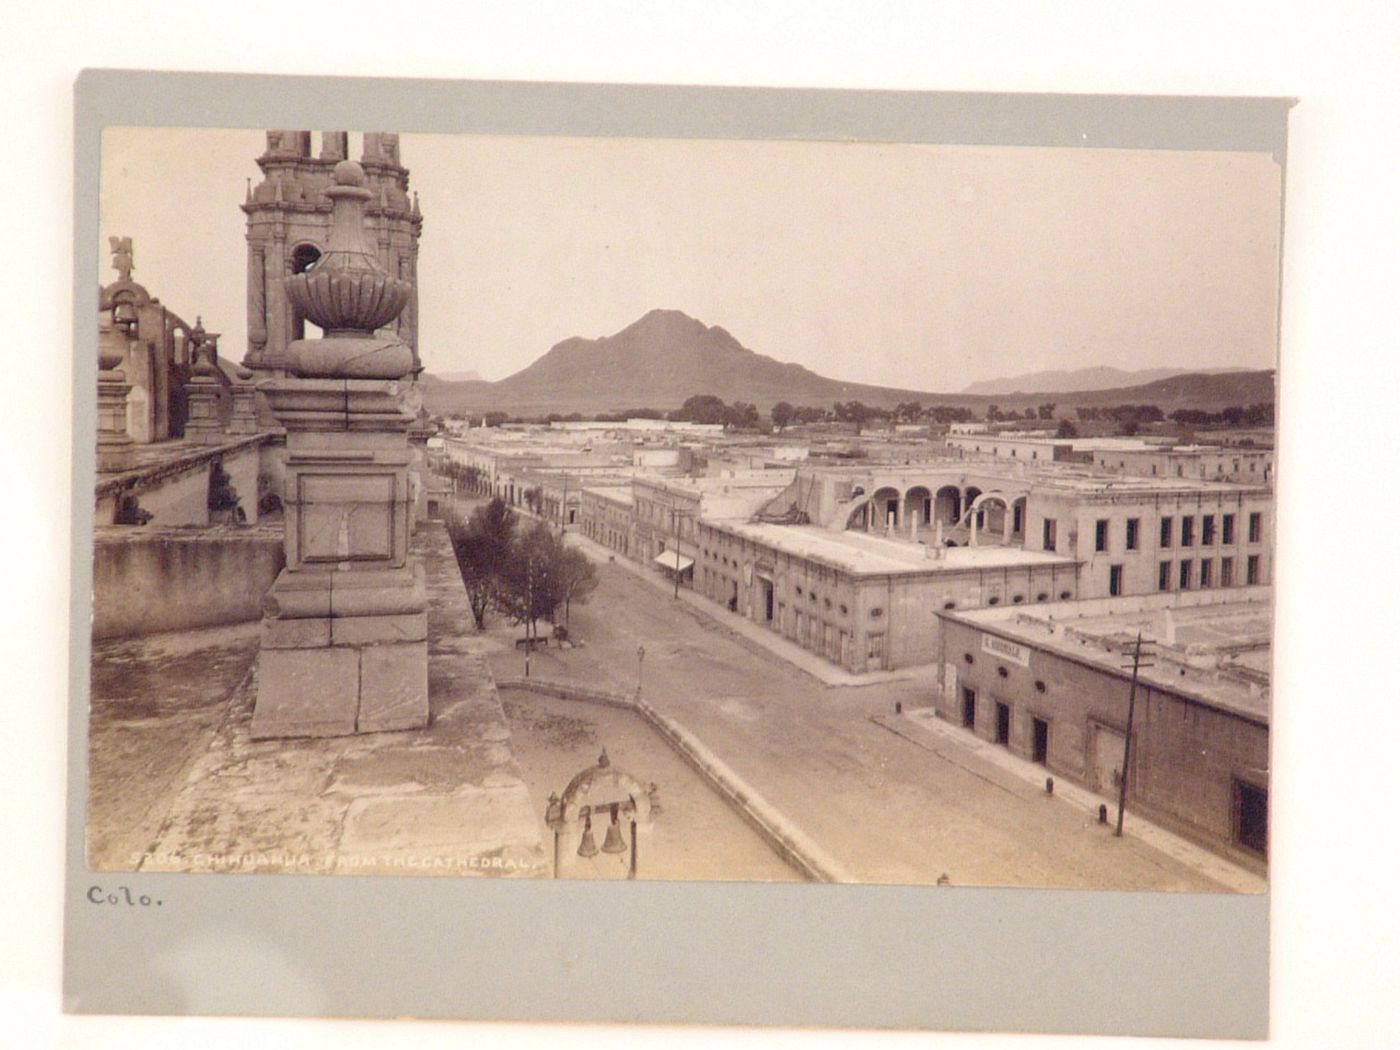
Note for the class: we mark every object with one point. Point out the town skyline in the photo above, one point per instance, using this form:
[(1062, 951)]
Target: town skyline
[(806, 252)]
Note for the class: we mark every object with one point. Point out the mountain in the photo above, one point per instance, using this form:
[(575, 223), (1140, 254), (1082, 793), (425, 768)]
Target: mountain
[(1210, 391), (666, 356), (1102, 377), (656, 362)]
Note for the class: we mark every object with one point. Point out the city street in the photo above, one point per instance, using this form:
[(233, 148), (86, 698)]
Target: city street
[(889, 810)]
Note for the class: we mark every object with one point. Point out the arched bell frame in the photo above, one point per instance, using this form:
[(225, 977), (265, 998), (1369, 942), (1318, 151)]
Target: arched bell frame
[(601, 790)]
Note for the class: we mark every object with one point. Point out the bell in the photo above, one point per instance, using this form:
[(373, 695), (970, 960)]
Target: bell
[(587, 847), (612, 841)]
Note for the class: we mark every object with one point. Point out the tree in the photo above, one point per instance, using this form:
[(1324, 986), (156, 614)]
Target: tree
[(908, 412), (575, 576), (703, 408), (782, 414), (530, 584), (1066, 429), (742, 414), (854, 412), (483, 547), (1046, 411)]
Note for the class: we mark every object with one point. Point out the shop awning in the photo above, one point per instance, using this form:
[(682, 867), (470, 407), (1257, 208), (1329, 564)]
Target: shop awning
[(674, 560)]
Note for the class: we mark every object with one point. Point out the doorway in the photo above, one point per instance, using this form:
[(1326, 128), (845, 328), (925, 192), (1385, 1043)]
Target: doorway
[(1251, 816), (1003, 725), (969, 709), (1107, 764), (767, 586), (1040, 740)]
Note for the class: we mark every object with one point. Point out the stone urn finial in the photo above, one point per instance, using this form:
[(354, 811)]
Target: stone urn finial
[(349, 296), (345, 291)]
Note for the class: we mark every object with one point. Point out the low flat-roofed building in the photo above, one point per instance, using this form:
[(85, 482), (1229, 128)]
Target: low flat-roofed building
[(1134, 535), (605, 515), (865, 602), (1141, 457), (1051, 683), (667, 512)]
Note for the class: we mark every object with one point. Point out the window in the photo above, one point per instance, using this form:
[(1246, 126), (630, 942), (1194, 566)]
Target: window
[(1130, 538), (1188, 530), (1207, 530), (1164, 576), (1251, 570), (1227, 572), (1256, 527), (1101, 534), (1166, 532), (1206, 566), (1184, 580), (1115, 580), (1048, 534), (1227, 528)]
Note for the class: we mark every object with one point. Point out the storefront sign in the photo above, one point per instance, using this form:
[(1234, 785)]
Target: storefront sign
[(1000, 647)]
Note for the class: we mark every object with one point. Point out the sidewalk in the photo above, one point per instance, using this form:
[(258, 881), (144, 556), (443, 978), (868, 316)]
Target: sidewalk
[(770, 641), (922, 727)]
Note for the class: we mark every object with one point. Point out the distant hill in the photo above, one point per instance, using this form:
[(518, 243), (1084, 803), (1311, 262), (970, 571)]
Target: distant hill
[(1101, 377), (459, 377), (1210, 391), (655, 362), (666, 356)]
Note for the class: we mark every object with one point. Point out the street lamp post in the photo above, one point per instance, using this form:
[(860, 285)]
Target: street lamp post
[(641, 652)]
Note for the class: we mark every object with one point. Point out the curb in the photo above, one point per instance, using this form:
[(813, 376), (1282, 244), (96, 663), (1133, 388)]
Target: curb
[(805, 856)]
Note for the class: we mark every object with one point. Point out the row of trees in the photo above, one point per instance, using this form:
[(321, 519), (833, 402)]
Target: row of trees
[(1261, 415), (743, 415), (995, 413), (525, 574), (859, 413), (1137, 414)]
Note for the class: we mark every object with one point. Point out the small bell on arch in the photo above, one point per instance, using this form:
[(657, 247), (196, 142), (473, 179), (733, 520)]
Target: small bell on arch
[(612, 841), (587, 847)]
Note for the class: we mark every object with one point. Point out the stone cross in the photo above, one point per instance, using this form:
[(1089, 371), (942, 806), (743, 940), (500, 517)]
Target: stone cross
[(121, 256)]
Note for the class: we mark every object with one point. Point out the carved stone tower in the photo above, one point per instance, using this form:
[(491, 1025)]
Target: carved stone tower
[(344, 640), (289, 221)]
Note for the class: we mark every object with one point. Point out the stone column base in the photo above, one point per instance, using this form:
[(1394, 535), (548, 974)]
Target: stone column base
[(343, 653)]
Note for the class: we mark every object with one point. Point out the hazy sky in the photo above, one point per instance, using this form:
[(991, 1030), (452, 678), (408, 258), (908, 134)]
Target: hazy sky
[(925, 267)]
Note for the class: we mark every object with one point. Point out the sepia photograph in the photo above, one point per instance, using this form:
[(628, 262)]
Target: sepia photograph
[(675, 509), (737, 506)]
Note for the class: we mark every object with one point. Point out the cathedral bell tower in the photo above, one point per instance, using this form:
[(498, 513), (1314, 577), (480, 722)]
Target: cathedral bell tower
[(289, 223)]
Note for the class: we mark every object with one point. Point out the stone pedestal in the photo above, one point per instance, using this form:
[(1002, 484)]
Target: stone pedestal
[(244, 419), (202, 426), (342, 653), (115, 449), (344, 646), (202, 423)]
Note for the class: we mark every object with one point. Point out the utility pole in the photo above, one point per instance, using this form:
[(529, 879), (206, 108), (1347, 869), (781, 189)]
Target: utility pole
[(1128, 735)]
